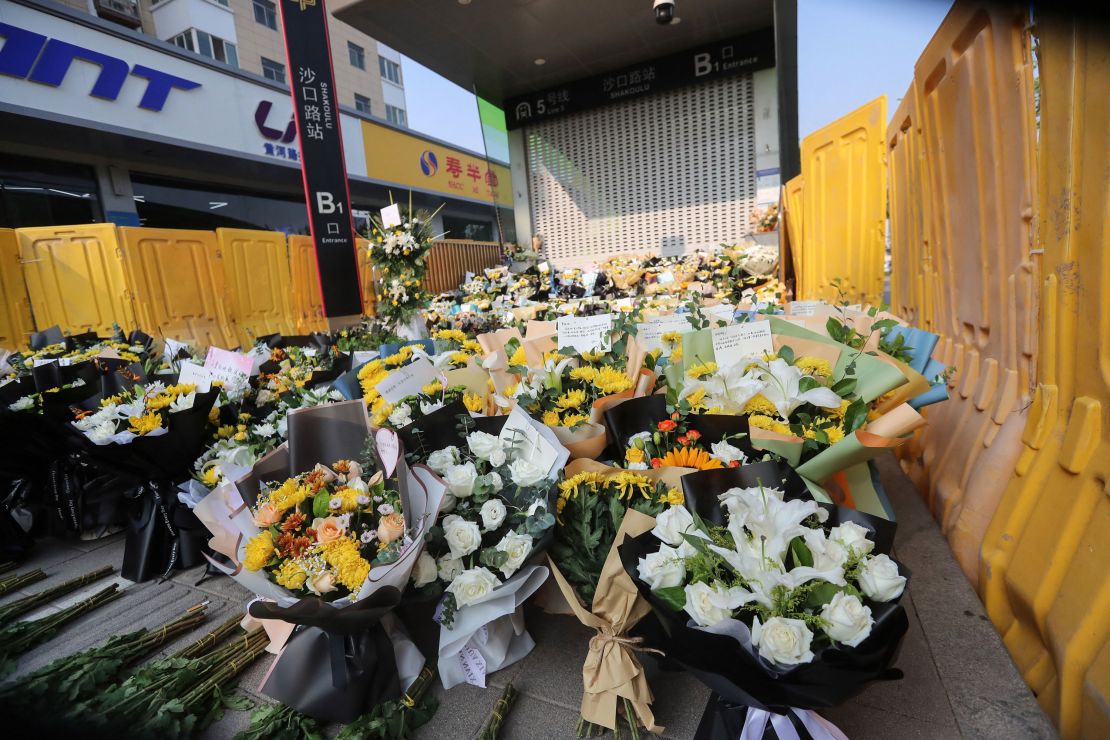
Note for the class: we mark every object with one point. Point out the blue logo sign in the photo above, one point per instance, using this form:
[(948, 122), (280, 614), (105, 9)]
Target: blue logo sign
[(428, 162), (32, 56)]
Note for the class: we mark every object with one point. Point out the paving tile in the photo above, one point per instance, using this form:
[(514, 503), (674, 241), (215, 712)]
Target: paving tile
[(868, 723), (462, 712), (535, 719), (561, 646)]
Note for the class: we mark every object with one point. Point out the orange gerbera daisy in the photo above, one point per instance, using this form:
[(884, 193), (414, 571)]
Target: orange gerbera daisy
[(690, 457)]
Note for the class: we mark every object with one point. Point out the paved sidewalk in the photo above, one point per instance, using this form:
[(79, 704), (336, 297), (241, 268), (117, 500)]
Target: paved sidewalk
[(959, 679)]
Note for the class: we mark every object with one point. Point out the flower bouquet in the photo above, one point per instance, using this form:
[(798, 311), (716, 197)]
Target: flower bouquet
[(329, 548), (498, 514), (779, 604), (597, 510), (399, 256)]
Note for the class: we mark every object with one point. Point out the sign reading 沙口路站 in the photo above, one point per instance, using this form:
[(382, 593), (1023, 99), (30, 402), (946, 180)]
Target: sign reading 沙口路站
[(316, 111), (747, 53)]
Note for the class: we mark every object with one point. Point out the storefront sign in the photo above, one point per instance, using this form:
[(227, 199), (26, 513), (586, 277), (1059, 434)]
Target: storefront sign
[(316, 112), (747, 53), (406, 160), (32, 56)]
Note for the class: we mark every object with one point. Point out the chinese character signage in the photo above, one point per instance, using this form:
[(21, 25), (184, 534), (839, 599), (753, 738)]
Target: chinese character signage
[(316, 112), (748, 53), (395, 157)]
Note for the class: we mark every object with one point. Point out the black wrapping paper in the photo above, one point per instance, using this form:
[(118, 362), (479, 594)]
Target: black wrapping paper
[(339, 663), (643, 414)]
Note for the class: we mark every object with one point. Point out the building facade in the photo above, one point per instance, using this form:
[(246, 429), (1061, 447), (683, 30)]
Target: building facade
[(177, 114)]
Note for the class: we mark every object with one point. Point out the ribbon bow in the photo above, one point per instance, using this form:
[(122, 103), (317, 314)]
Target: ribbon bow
[(819, 728)]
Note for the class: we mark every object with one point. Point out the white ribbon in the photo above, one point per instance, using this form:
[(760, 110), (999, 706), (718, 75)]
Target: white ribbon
[(755, 724)]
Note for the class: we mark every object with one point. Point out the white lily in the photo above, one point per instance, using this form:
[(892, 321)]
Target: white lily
[(183, 402), (782, 389)]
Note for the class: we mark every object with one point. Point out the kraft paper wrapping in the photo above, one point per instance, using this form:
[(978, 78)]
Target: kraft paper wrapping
[(807, 348), (472, 377), (916, 384), (588, 440), (495, 342), (612, 670)]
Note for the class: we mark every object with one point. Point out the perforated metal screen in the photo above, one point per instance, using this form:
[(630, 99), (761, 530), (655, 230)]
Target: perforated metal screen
[(669, 173)]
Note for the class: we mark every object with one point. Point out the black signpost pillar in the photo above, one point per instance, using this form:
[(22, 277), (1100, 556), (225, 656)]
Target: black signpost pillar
[(316, 111)]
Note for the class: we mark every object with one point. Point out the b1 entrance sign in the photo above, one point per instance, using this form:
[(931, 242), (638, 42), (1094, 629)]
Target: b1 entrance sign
[(304, 24)]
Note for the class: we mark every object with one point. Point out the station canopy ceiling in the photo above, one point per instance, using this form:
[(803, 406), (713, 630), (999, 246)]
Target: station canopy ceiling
[(492, 46)]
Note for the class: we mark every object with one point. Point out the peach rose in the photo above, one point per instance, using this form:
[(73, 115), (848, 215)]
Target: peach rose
[(390, 527), (322, 583), (267, 515), (328, 529)]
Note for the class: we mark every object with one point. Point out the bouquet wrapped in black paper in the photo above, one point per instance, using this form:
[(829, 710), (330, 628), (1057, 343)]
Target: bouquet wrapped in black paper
[(779, 604), (329, 548)]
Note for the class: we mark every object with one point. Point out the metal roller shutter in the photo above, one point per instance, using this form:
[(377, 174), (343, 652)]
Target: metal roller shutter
[(669, 173)]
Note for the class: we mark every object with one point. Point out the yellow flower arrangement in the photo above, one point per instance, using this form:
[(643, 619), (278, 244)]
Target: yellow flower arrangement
[(551, 418), (518, 358), (472, 347), (288, 495), (674, 497), (351, 568), (450, 335), (460, 357), (474, 402), (609, 381), (759, 404), (690, 457), (570, 420), (816, 366), (760, 421), (258, 551), (161, 401), (145, 424), (291, 575), (593, 356), (701, 370), (571, 400), (432, 388), (634, 455)]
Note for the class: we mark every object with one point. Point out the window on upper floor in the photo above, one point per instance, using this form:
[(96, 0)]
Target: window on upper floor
[(207, 45), (396, 116), (362, 104), (390, 70), (272, 70), (357, 55), (265, 12)]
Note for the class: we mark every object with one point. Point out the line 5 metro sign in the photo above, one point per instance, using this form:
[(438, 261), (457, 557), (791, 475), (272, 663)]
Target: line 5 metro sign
[(32, 56)]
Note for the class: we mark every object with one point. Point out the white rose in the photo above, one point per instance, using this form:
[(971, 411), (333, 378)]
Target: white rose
[(879, 579), (401, 416), (424, 572), (449, 503), (428, 408), (664, 568), (849, 621), (440, 460), (828, 554), (670, 525), (463, 537), (498, 457), (493, 480), (493, 513), (707, 605), (471, 585), (853, 537), (461, 479), (449, 568), (24, 403), (102, 433), (518, 546), (726, 453), (525, 474), (483, 445), (783, 641)]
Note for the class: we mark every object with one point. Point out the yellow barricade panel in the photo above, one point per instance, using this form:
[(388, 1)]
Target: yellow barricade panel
[(365, 276), (259, 288), (16, 325), (75, 278), (792, 214), (1044, 575), (961, 153), (844, 206), (308, 307), (177, 278)]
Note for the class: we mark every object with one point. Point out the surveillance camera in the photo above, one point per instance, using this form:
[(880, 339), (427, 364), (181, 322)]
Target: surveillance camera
[(664, 11)]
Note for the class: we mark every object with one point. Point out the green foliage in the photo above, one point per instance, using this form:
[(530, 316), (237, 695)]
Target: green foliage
[(279, 722)]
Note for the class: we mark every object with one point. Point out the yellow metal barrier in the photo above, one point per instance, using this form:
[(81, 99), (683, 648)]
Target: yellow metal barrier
[(177, 279), (962, 152), (16, 325), (792, 226), (308, 306), (366, 277), (75, 278), (1045, 576), (450, 260), (844, 206), (259, 288)]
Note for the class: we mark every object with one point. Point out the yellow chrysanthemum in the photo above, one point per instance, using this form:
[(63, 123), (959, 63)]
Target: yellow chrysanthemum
[(570, 420), (760, 421), (691, 457), (634, 455), (518, 358), (399, 358), (348, 500), (288, 495), (210, 476), (474, 402), (554, 356), (258, 551), (609, 381), (676, 354), (180, 389), (841, 410), (450, 335), (759, 404), (571, 400), (816, 366), (160, 401), (472, 347), (674, 497), (671, 338), (587, 373), (593, 356), (835, 434), (432, 389), (225, 431), (145, 424), (460, 358), (350, 567), (291, 575), (702, 370), (213, 414), (551, 418)]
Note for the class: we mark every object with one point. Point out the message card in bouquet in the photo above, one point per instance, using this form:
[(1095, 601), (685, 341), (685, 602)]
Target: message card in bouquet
[(407, 381), (585, 333), (230, 367), (738, 342)]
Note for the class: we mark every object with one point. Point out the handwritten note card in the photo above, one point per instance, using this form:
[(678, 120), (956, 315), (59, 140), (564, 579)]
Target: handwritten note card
[(741, 342), (407, 380), (230, 367), (199, 376), (649, 335), (720, 312), (391, 216), (585, 333)]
